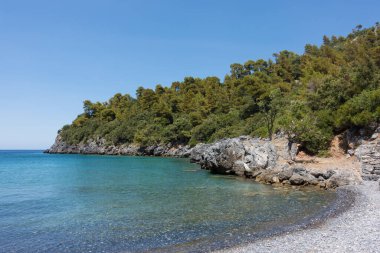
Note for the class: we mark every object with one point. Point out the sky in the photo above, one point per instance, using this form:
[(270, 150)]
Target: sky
[(56, 54)]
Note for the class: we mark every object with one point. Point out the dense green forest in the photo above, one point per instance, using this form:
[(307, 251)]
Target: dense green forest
[(310, 97)]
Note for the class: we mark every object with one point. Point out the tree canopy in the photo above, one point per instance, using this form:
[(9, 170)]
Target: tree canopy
[(326, 90)]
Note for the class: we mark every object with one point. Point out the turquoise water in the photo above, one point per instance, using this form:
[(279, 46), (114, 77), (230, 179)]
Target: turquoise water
[(78, 203)]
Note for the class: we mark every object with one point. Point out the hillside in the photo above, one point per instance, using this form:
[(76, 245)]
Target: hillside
[(310, 97)]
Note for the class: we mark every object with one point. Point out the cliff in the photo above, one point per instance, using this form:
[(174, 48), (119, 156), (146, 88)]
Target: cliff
[(100, 147), (275, 162)]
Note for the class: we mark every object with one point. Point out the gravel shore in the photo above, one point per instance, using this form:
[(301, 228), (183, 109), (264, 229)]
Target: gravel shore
[(355, 230)]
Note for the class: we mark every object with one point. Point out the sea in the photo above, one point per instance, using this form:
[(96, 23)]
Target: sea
[(92, 203)]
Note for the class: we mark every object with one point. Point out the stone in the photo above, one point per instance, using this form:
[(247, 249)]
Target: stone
[(236, 155), (328, 174), (293, 151), (297, 179), (374, 136), (369, 156), (341, 178), (285, 174), (256, 173)]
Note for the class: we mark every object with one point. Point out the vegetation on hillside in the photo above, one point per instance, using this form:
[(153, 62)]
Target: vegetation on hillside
[(310, 97)]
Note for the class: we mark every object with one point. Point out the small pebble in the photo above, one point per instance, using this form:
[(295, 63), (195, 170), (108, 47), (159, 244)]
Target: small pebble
[(355, 230)]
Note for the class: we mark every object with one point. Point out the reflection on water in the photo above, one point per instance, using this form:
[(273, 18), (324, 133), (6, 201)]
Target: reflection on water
[(74, 203)]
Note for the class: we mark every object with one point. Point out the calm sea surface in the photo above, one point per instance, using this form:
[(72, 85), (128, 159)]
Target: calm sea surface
[(78, 203)]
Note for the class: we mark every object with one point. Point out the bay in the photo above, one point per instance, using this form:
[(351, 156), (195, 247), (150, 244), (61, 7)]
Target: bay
[(90, 203)]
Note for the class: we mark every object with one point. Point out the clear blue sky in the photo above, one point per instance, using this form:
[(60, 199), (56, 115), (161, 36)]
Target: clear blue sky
[(55, 54)]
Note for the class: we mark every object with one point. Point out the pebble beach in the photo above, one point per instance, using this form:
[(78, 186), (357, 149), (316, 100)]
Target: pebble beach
[(355, 230)]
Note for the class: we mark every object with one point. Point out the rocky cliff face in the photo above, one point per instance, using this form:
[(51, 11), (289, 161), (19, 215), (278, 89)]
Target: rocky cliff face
[(364, 143), (369, 157), (238, 156), (101, 147), (267, 162)]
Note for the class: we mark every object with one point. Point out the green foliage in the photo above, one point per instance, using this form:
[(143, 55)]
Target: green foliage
[(179, 131), (361, 110), (327, 89), (306, 127), (217, 126), (270, 105)]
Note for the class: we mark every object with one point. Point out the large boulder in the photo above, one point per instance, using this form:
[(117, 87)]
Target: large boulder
[(240, 156)]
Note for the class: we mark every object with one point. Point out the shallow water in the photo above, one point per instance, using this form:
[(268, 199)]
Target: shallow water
[(78, 203)]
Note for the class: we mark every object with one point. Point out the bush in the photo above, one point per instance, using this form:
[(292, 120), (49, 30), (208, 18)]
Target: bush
[(307, 128), (360, 110), (214, 124)]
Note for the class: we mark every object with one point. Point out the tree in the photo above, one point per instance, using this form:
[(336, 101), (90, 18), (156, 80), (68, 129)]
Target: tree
[(303, 126), (360, 110), (238, 71), (270, 106)]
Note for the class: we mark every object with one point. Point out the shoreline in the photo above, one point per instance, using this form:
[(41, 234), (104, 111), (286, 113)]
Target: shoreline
[(353, 228), (346, 199), (349, 198), (271, 162)]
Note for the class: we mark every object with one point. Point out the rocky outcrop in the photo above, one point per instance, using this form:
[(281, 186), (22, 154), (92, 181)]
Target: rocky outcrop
[(100, 146), (369, 157), (299, 175), (266, 162), (238, 156)]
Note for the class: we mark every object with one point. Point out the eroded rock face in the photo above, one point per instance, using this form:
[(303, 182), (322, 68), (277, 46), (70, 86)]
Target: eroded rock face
[(369, 156), (101, 147), (300, 176), (240, 156), (260, 160)]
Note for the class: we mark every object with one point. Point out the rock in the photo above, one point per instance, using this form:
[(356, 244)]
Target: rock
[(256, 173), (369, 156), (159, 151), (328, 174), (293, 151), (285, 175), (268, 176), (100, 146), (371, 177), (374, 136), (341, 178), (297, 179), (351, 152), (236, 155), (307, 176), (196, 154), (285, 149)]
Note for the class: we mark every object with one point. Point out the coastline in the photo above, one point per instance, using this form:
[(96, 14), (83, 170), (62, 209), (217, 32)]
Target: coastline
[(316, 227), (270, 162), (352, 229), (340, 227)]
